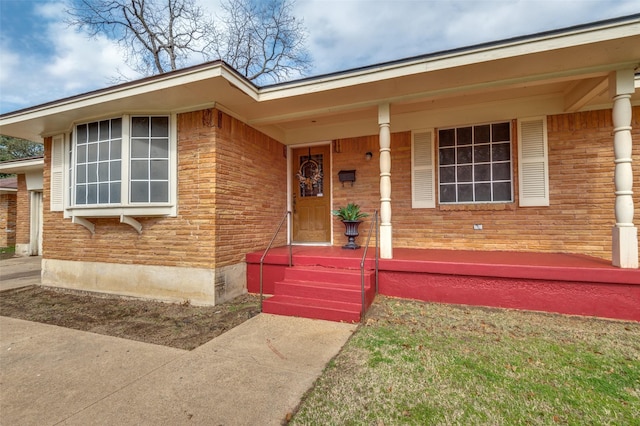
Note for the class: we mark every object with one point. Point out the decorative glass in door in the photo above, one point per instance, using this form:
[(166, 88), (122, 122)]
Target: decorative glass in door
[(310, 176)]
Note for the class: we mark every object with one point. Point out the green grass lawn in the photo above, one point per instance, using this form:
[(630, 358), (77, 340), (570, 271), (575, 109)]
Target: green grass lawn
[(429, 364)]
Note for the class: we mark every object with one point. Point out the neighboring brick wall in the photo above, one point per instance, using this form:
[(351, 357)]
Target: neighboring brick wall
[(23, 212), (578, 220), (8, 212), (249, 165)]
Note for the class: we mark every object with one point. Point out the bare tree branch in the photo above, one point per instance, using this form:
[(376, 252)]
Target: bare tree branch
[(260, 39)]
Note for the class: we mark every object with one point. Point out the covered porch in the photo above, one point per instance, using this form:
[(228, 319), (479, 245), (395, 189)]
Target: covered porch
[(563, 283)]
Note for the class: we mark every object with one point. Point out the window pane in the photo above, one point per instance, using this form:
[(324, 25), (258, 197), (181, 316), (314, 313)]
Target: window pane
[(502, 191), (115, 192), (160, 148), (103, 172), (81, 134), (447, 156), (92, 194), (482, 154), (81, 155), (139, 169), (103, 151), (140, 148), (116, 149), (104, 131), (464, 155), (92, 152), (463, 136), (159, 192), (93, 132), (115, 170), (159, 170), (92, 173), (501, 152), (447, 174), (465, 193), (447, 137), (447, 193), (501, 132), (139, 192), (160, 126), (81, 173), (116, 128), (139, 126), (482, 172), (81, 194), (482, 134), (502, 171), (103, 193), (464, 173), (483, 191)]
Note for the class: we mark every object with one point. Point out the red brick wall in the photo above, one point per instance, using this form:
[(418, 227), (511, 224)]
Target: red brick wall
[(23, 212), (8, 212), (204, 183), (251, 190), (578, 220)]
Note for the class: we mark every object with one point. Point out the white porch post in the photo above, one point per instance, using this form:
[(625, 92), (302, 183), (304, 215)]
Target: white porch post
[(625, 234), (384, 120)]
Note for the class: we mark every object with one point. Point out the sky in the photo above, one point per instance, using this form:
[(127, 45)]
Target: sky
[(42, 59)]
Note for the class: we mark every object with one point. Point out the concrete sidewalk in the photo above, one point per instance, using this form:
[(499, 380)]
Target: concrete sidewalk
[(16, 272), (254, 374)]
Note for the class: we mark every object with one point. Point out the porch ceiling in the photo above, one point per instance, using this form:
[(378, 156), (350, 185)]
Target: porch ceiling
[(550, 73), (569, 79)]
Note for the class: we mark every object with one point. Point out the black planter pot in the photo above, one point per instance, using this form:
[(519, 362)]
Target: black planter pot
[(351, 232)]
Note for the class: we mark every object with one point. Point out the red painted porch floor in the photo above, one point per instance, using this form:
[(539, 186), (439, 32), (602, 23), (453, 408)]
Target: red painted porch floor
[(503, 264), (554, 282)]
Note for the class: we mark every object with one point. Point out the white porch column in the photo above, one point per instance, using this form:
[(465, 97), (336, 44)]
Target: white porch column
[(625, 234), (384, 120)]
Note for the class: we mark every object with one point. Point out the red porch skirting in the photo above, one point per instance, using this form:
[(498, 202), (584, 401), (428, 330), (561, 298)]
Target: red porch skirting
[(551, 282)]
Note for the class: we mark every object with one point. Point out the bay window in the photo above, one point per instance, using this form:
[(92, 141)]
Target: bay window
[(119, 166)]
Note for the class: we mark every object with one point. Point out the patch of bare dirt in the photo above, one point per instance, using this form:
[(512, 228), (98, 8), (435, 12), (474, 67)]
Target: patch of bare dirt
[(177, 325)]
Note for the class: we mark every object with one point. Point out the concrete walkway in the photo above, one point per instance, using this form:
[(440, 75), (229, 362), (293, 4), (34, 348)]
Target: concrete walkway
[(16, 272), (254, 374)]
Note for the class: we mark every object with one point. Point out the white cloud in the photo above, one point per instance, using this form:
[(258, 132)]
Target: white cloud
[(345, 34), (48, 60)]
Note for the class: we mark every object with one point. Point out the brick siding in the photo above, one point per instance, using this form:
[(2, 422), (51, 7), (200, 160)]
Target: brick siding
[(578, 220), (8, 213), (23, 212), (230, 190)]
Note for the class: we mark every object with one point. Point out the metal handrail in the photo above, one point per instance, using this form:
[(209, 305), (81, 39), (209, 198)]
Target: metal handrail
[(364, 257), (287, 214)]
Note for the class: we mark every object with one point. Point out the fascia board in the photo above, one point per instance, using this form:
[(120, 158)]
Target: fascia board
[(22, 166), (520, 47), (129, 90)]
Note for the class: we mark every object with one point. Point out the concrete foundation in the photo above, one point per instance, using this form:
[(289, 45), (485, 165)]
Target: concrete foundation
[(198, 286)]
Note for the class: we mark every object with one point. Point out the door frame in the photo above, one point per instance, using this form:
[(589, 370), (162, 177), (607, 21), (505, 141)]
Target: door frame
[(36, 223), (290, 149)]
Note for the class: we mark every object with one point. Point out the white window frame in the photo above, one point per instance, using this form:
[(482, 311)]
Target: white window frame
[(491, 163), (124, 208)]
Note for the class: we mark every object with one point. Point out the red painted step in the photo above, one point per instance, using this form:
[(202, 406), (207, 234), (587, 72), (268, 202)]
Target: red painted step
[(312, 308), (323, 293)]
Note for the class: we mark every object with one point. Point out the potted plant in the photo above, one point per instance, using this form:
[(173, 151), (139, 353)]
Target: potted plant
[(350, 216)]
